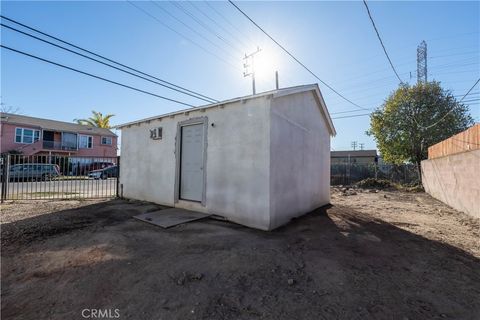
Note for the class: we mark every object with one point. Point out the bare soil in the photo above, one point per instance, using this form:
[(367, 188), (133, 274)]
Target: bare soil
[(371, 255)]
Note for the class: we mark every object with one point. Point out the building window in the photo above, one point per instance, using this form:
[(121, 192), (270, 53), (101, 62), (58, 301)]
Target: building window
[(107, 140), (85, 142), (69, 141), (23, 135)]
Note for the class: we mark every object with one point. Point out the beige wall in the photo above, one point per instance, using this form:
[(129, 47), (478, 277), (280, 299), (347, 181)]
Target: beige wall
[(455, 180)]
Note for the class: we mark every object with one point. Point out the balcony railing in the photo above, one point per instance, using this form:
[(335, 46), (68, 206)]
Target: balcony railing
[(55, 145)]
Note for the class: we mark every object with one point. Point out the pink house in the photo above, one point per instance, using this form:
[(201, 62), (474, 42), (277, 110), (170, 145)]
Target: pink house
[(36, 136)]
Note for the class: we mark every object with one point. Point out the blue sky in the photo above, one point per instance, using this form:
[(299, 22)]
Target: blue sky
[(334, 39)]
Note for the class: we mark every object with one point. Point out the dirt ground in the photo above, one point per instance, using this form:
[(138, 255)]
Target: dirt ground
[(371, 255)]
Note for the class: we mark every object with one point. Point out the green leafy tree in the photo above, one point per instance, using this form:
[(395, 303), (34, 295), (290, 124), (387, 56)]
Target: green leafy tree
[(96, 120), (414, 118)]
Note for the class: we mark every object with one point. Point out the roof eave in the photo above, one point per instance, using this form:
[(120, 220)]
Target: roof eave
[(286, 91)]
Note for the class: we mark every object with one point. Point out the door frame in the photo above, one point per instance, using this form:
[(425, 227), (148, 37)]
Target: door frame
[(178, 156)]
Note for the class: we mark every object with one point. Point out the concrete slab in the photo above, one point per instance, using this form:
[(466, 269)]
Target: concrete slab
[(170, 217)]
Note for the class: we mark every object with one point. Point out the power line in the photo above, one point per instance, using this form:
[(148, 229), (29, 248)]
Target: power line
[(181, 35), (368, 58), (381, 42), (349, 111), (368, 73), (470, 101), (456, 72), (107, 59), (455, 54), (104, 63), (446, 114), (204, 25), (192, 29), (240, 31), (464, 141), (383, 83), (471, 94), (192, 3), (354, 116), (294, 58), (457, 64), (359, 87), (94, 76), (201, 23)]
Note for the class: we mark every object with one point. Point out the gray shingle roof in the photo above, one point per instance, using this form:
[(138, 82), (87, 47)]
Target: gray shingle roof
[(52, 124)]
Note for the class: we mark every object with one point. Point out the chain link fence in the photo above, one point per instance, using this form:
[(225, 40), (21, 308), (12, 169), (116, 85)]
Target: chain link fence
[(350, 173)]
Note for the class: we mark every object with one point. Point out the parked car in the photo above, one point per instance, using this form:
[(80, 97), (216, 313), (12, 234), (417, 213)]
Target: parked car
[(86, 168), (33, 171), (109, 172)]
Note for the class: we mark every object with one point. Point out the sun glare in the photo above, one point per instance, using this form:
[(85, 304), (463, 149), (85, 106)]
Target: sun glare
[(265, 65)]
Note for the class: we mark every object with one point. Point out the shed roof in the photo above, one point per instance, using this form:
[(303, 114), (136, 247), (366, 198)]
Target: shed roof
[(353, 153), (275, 93), (48, 124)]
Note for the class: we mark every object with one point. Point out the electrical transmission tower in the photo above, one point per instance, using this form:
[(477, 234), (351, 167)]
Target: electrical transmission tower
[(251, 71), (422, 62), (354, 145)]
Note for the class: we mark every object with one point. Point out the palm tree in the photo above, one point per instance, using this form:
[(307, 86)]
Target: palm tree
[(97, 120)]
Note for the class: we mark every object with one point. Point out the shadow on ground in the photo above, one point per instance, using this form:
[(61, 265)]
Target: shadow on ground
[(334, 263)]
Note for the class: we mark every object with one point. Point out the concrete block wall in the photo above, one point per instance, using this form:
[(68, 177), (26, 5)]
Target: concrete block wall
[(455, 180)]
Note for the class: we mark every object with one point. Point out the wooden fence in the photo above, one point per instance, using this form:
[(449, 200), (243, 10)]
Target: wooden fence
[(464, 141)]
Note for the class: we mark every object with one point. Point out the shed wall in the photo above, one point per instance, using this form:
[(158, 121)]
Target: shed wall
[(299, 158), (237, 162)]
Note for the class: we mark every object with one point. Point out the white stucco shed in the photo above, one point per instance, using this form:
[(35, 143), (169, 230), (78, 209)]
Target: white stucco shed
[(258, 160)]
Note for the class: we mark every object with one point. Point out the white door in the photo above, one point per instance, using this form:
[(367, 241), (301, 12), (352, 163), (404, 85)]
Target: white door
[(191, 162)]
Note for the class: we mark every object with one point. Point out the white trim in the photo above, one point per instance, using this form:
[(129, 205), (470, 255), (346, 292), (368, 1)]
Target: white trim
[(67, 132), (178, 146), (22, 135), (84, 135), (106, 144), (274, 93)]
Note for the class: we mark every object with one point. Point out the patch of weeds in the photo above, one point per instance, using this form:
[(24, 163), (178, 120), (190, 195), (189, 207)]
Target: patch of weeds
[(372, 183), (412, 188)]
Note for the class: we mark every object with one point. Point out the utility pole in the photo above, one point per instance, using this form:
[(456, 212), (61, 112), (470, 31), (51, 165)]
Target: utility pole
[(422, 62), (354, 145), (246, 65), (362, 145)]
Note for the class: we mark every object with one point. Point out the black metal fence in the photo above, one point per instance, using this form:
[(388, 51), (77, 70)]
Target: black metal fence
[(58, 177), (349, 173)]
